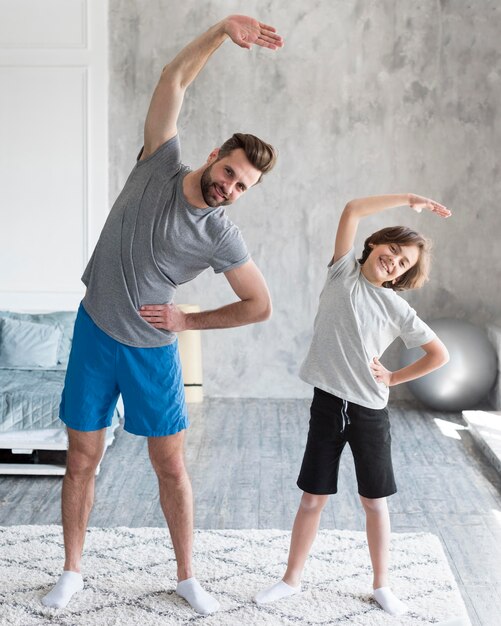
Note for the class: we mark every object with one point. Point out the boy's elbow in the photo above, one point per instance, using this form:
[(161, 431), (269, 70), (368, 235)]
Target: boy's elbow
[(444, 356), (349, 207)]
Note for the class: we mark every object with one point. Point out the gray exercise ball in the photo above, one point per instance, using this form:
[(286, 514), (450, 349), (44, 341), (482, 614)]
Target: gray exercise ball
[(467, 378)]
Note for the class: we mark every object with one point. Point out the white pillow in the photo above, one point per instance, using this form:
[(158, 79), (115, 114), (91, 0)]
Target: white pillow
[(25, 344)]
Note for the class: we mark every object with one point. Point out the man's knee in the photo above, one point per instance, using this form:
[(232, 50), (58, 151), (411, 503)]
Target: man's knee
[(85, 451), (167, 457), (171, 468), (81, 464)]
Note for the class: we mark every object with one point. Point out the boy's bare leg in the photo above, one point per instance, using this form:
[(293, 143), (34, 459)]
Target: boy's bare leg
[(303, 535), (378, 537)]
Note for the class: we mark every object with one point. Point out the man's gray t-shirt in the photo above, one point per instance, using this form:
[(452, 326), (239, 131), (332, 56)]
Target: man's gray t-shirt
[(153, 241), (355, 322)]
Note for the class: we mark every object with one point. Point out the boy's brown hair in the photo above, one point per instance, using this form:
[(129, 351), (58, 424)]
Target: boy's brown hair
[(416, 275), (261, 155)]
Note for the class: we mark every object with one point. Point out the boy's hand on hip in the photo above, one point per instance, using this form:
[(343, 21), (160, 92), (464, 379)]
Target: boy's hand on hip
[(164, 316), (380, 373)]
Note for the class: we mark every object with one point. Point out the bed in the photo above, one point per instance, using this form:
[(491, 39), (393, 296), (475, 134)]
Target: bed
[(34, 351)]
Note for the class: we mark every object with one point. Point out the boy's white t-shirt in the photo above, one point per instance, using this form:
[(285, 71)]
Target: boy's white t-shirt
[(355, 322)]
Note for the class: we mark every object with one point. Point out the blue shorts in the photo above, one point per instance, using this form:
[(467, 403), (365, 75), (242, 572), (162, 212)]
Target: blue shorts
[(100, 369)]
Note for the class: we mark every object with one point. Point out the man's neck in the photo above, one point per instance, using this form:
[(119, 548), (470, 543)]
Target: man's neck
[(192, 190)]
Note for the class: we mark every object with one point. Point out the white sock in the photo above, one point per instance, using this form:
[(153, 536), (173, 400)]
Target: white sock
[(389, 602), (191, 590), (68, 584), (276, 592)]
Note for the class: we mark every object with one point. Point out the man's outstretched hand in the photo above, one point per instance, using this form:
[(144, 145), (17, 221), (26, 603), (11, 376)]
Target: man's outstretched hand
[(246, 31)]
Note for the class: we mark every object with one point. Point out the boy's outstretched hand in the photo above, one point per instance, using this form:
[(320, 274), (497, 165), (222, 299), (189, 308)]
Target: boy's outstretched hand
[(418, 203), (246, 31)]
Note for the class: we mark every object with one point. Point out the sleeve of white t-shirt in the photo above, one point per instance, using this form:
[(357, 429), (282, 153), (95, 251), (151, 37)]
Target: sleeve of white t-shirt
[(343, 266), (414, 332)]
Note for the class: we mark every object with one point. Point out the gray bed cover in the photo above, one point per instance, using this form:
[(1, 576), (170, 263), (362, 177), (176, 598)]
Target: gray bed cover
[(29, 399)]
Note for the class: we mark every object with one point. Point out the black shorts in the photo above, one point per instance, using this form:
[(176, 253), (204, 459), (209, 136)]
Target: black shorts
[(335, 422)]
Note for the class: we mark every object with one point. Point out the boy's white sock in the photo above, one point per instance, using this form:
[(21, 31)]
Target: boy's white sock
[(276, 592), (191, 590), (68, 584), (389, 602)]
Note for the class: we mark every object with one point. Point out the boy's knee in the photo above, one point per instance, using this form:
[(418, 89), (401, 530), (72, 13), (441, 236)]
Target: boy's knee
[(374, 505), (313, 503)]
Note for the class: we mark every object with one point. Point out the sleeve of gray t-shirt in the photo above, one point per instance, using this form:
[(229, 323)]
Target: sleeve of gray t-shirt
[(414, 332), (230, 251), (167, 157)]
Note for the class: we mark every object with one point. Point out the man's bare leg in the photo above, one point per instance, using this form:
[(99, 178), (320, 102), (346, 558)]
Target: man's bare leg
[(85, 451), (167, 458)]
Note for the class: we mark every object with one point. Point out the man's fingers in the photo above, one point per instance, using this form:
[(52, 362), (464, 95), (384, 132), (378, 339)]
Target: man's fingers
[(153, 307), (269, 35), (156, 312), (267, 27), (151, 315), (265, 44)]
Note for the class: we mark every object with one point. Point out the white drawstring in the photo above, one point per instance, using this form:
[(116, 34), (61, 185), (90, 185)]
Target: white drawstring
[(345, 416)]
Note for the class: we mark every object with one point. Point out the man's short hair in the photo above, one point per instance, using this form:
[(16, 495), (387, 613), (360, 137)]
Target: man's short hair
[(260, 154)]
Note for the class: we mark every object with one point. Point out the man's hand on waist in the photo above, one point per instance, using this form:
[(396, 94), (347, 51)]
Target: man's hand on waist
[(164, 316)]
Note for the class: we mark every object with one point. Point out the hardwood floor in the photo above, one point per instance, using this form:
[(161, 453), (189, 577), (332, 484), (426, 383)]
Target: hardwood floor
[(244, 455)]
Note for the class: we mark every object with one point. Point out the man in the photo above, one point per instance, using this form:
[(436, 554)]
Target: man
[(166, 227)]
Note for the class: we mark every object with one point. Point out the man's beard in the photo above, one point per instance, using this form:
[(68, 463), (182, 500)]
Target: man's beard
[(206, 184)]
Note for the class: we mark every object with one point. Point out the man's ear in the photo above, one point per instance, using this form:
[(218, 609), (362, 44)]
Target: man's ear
[(213, 155)]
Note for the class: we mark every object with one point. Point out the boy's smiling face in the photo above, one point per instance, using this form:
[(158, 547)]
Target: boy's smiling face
[(388, 261)]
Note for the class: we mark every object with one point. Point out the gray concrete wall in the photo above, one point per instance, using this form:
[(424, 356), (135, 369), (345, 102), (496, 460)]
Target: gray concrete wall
[(365, 98)]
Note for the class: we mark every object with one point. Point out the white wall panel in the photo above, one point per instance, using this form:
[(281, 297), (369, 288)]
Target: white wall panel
[(43, 23), (43, 177), (54, 156)]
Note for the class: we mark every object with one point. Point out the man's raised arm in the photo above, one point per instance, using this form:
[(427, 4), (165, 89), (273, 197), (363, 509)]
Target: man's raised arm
[(165, 106)]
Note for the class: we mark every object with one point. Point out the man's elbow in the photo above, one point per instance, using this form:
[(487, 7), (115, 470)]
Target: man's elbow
[(263, 311), (172, 77)]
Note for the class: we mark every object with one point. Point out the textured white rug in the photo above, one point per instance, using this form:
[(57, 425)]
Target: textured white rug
[(129, 575)]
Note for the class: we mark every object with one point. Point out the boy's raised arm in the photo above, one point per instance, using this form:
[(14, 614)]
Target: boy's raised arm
[(358, 208)]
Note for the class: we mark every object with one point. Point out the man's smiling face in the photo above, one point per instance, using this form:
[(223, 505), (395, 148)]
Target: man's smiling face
[(226, 179)]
